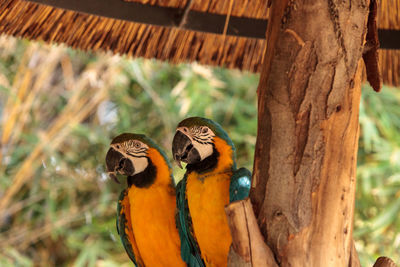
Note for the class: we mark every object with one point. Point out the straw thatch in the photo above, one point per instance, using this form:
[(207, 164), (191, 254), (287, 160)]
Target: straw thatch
[(389, 18), (90, 32)]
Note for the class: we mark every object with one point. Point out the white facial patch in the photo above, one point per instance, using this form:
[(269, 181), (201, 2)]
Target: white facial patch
[(204, 150), (140, 164)]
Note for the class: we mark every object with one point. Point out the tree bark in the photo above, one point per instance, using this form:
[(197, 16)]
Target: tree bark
[(304, 176)]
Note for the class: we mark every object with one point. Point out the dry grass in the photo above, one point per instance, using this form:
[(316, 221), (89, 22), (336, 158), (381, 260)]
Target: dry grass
[(86, 94), (46, 101)]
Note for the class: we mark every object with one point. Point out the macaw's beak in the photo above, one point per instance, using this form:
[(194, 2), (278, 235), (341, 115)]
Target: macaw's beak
[(183, 150), (117, 163)]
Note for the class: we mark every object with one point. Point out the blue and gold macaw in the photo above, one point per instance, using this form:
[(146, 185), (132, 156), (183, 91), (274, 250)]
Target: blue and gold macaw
[(211, 182), (147, 208)]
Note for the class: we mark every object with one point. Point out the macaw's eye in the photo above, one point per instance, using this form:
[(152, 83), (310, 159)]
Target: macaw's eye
[(118, 146), (136, 144), (185, 129), (204, 130)]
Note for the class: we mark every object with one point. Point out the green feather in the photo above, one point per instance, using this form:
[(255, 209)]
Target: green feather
[(121, 222), (190, 251), (239, 187)]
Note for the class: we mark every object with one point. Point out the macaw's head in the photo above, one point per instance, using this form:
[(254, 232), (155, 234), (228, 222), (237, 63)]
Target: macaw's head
[(201, 143), (135, 156)]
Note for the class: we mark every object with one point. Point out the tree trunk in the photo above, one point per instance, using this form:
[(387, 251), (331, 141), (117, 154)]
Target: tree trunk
[(304, 176)]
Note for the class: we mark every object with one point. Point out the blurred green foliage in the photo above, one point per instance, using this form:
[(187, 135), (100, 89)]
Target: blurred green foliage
[(60, 108), (377, 220)]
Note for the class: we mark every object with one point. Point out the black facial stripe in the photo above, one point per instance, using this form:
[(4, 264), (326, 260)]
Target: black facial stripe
[(200, 139), (136, 156), (203, 141), (200, 142)]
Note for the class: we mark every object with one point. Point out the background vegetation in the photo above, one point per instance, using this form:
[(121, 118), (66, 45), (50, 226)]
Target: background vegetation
[(59, 109)]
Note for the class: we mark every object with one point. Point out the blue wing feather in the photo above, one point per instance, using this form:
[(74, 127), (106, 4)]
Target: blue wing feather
[(122, 222), (190, 251), (240, 185)]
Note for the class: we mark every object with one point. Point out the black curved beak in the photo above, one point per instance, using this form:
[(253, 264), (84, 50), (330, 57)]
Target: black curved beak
[(183, 150), (117, 163)]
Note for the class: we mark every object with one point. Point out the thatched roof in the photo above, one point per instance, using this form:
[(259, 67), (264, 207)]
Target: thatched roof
[(212, 32)]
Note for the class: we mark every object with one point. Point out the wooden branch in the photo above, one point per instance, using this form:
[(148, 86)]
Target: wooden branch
[(384, 262), (370, 54), (248, 246)]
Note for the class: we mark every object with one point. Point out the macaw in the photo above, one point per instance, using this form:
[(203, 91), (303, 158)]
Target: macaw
[(211, 182), (146, 209)]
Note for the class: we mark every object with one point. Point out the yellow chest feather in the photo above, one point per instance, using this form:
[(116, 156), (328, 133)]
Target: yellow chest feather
[(153, 223), (206, 199)]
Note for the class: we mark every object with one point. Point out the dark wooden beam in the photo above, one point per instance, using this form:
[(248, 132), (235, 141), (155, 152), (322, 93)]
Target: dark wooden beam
[(164, 16), (389, 39), (194, 21)]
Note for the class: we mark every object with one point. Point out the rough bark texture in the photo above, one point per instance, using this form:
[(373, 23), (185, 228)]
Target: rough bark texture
[(308, 99), (248, 245), (384, 262)]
